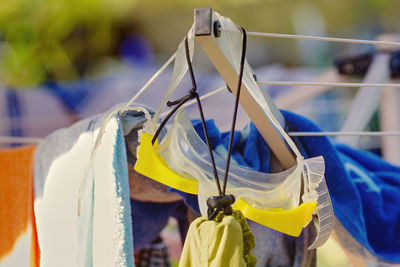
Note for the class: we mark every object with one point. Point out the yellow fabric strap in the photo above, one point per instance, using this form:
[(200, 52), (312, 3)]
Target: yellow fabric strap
[(150, 164), (227, 241), (290, 222)]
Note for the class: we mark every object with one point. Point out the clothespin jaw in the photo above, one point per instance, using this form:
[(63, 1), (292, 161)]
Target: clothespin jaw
[(212, 35), (358, 64), (354, 64)]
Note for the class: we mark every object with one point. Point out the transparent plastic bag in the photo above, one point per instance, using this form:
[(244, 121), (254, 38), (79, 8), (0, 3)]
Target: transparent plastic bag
[(181, 161)]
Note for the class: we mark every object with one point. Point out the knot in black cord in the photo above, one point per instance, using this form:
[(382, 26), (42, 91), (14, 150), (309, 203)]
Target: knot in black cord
[(217, 204), (191, 95)]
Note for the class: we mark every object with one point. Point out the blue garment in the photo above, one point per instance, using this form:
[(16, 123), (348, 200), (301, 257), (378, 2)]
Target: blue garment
[(148, 220), (365, 190), (136, 49), (72, 94), (249, 148), (15, 110), (378, 183)]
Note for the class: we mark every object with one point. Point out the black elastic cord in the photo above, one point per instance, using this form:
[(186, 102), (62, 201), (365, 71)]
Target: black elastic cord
[(190, 67), (203, 121), (228, 159), (192, 94), (169, 115)]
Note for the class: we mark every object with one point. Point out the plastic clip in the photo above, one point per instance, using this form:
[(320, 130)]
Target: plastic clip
[(219, 203), (359, 64), (354, 64)]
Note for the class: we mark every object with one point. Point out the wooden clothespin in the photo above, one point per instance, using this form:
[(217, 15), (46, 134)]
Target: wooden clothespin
[(209, 33)]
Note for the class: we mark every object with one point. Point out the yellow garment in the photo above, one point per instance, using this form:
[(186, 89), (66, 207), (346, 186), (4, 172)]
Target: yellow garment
[(227, 241)]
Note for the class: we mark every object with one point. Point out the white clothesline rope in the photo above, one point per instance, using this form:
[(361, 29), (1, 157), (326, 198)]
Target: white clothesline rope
[(35, 140), (331, 84), (32, 140), (322, 38), (328, 84), (375, 133), (287, 36), (148, 83)]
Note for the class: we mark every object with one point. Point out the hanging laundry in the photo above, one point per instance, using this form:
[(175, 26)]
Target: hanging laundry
[(272, 248), (227, 241), (153, 255), (363, 187), (347, 197), (72, 95), (378, 185), (143, 189), (15, 110), (148, 220), (18, 240), (102, 233), (61, 160)]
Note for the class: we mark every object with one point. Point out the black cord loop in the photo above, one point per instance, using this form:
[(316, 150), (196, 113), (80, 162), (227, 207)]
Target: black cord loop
[(222, 202), (178, 103), (239, 86)]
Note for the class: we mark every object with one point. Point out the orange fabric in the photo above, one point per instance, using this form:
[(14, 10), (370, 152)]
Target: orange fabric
[(16, 199), (35, 249)]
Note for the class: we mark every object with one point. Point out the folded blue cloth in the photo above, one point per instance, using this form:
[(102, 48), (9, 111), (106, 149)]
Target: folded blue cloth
[(378, 183), (365, 190)]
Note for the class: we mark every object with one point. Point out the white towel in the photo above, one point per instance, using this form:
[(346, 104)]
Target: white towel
[(102, 234)]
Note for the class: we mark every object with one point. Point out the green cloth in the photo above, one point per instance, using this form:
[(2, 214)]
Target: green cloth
[(227, 241)]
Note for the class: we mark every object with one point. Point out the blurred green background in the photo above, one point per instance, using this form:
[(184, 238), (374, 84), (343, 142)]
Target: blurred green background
[(60, 40)]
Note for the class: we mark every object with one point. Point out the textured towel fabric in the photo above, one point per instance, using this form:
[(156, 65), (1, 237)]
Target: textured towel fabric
[(364, 188), (225, 242), (102, 235), (105, 231), (378, 184), (18, 243), (363, 192)]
